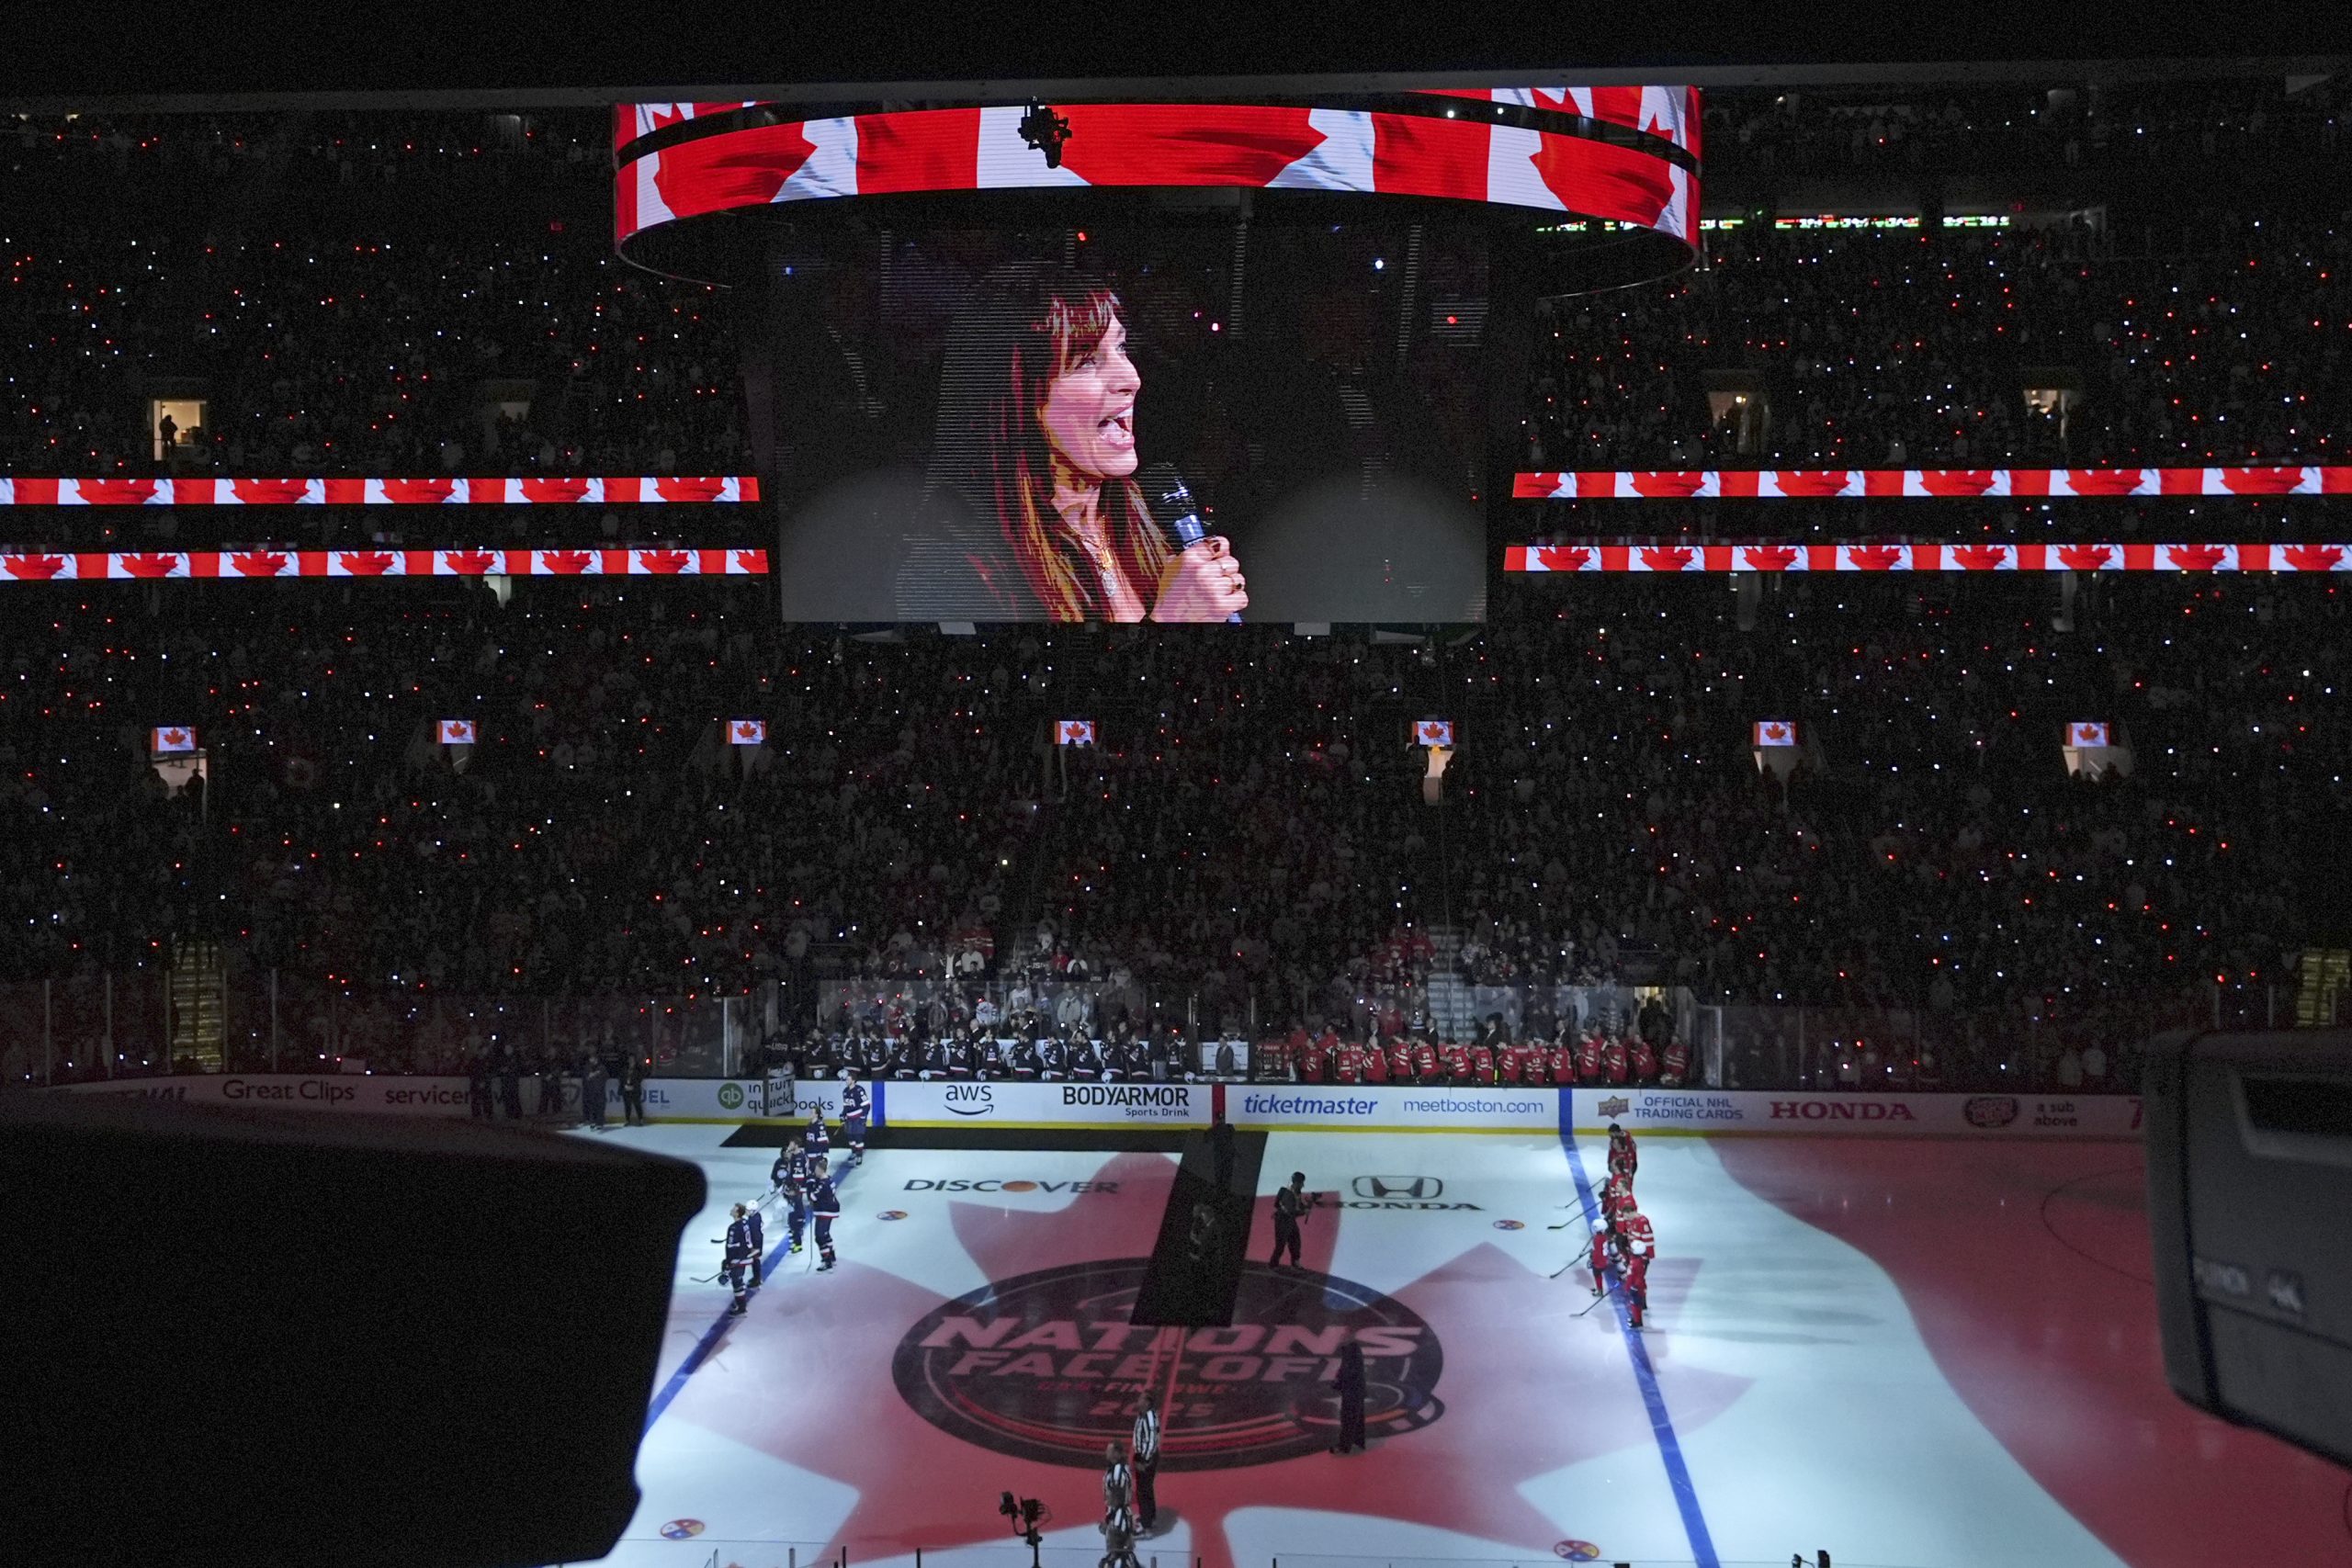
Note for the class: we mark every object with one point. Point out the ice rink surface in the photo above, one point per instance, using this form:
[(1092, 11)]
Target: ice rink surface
[(1916, 1354)]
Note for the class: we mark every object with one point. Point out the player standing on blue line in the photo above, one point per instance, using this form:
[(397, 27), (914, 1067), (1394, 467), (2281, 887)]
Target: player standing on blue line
[(737, 1252), (855, 1103), (825, 1207), (790, 1175)]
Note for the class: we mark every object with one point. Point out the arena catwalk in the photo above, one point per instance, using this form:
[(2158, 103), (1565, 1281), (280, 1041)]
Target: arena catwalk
[(1927, 1353)]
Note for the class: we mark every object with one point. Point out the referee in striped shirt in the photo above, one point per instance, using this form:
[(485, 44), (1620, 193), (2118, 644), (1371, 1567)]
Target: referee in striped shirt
[(1145, 1449)]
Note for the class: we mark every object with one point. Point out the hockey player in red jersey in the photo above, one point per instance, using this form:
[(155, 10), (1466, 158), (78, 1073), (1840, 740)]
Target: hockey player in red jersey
[(1635, 1233), (1311, 1063), (1636, 1247), (1456, 1057), (1482, 1065), (1642, 1061), (1507, 1065), (1427, 1068), (1674, 1065), (1589, 1051), (1616, 1199), (1621, 1153), (1347, 1064), (1598, 1260), (1375, 1062), (1563, 1065), (1637, 1286), (1270, 1060), (1613, 1062)]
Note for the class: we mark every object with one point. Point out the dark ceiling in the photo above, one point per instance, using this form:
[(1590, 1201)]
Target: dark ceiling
[(487, 55)]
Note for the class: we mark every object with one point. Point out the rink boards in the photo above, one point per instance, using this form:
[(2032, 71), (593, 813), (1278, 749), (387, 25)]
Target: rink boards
[(1289, 1108)]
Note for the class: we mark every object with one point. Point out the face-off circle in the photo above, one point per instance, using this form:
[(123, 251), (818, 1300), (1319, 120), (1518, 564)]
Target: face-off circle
[(1045, 1367)]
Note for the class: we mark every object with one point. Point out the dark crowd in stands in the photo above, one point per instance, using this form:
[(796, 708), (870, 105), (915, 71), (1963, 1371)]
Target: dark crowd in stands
[(1247, 855)]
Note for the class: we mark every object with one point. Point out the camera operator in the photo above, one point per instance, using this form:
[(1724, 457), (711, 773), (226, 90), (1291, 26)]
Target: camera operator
[(1291, 1204)]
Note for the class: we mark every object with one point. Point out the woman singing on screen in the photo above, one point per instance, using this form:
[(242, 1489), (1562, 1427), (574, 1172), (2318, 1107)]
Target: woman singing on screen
[(1031, 509)]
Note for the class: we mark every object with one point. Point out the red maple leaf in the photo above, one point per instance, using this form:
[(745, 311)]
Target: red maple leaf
[(2085, 557), (1605, 181), (567, 562), (1770, 557), (1776, 732), (1562, 557), (1443, 1472), (368, 564), (148, 566), (1665, 558), (40, 567), (2260, 482), (1980, 557), (257, 563), (116, 492), (664, 560), (1956, 481), (689, 489), (1875, 558), (1811, 481), (176, 737), (735, 168), (1185, 144), (1669, 485), (747, 732), (270, 493), (2103, 481), (753, 561), (2313, 557), (419, 492), (471, 562), (561, 491), (2198, 557)]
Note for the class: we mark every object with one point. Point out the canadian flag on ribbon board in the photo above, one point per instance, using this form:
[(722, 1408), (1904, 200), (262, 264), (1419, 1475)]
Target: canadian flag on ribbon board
[(2086, 732), (453, 731), (747, 731), (1776, 732), (1432, 732), (1073, 732), (173, 739)]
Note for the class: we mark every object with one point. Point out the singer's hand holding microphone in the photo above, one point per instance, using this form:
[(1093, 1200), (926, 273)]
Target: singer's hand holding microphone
[(1202, 582)]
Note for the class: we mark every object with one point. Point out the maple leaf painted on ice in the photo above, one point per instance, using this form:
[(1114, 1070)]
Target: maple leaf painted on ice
[(1443, 1470)]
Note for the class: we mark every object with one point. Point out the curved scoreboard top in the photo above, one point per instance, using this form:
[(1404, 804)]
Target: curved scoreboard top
[(1628, 156)]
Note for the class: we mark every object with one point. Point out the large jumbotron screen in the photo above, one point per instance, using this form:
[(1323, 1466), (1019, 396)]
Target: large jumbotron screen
[(1190, 363), (998, 423)]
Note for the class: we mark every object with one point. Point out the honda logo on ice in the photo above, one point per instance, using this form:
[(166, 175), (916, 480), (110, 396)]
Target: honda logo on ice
[(1415, 1187)]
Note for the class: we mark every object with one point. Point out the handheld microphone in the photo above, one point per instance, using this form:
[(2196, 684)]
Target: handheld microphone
[(1172, 498)]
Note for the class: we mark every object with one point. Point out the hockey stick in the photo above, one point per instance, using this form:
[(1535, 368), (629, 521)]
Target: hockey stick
[(1598, 1300)]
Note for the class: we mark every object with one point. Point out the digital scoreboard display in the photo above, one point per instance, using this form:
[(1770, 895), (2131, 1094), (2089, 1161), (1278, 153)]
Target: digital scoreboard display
[(1189, 363)]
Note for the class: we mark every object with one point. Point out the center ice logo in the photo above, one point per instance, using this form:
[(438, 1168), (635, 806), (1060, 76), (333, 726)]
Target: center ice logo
[(1045, 1367)]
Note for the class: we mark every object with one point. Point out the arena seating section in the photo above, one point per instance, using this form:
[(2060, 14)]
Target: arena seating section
[(1250, 834)]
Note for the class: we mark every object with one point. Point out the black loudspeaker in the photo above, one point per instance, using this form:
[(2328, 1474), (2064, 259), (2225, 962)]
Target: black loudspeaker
[(276, 1337), (2249, 1142)]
